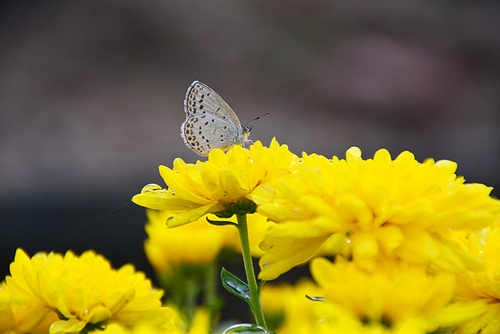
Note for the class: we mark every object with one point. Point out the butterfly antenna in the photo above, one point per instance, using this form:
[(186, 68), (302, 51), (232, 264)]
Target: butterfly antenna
[(256, 118)]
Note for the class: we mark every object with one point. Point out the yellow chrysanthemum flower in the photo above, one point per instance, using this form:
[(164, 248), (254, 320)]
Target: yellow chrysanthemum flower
[(482, 289), (116, 328), (372, 209), (18, 317), (199, 325), (197, 243), (287, 308), (83, 291), (398, 297), (206, 187)]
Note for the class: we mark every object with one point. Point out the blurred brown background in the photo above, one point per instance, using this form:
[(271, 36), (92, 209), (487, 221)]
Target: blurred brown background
[(91, 98)]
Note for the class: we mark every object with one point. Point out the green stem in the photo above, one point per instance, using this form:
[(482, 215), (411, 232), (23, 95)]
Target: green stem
[(247, 261), (190, 294), (211, 298)]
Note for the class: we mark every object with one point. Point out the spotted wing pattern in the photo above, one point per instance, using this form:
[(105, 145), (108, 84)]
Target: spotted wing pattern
[(210, 122)]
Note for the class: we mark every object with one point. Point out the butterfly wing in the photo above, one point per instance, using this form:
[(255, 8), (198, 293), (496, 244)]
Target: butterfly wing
[(201, 99), (210, 122), (203, 133)]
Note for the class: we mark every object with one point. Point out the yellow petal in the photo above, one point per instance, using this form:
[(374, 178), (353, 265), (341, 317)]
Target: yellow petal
[(284, 254), (67, 326), (459, 313), (115, 300), (154, 317), (365, 245), (390, 236), (189, 216), (97, 314), (162, 201), (418, 247), (180, 186), (234, 187), (354, 210)]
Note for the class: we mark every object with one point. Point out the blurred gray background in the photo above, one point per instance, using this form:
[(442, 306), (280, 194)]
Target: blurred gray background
[(91, 98)]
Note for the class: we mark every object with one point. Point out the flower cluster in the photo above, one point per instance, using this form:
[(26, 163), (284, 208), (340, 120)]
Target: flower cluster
[(411, 240), (371, 210), (70, 293), (415, 249)]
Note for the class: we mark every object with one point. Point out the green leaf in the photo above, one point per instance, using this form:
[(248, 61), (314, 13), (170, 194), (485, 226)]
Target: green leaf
[(220, 222), (236, 286), (259, 287)]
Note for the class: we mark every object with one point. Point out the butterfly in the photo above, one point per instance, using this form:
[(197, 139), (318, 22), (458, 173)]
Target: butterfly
[(210, 122)]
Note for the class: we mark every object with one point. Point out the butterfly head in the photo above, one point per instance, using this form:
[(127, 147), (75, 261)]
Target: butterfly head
[(246, 133), (246, 130)]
